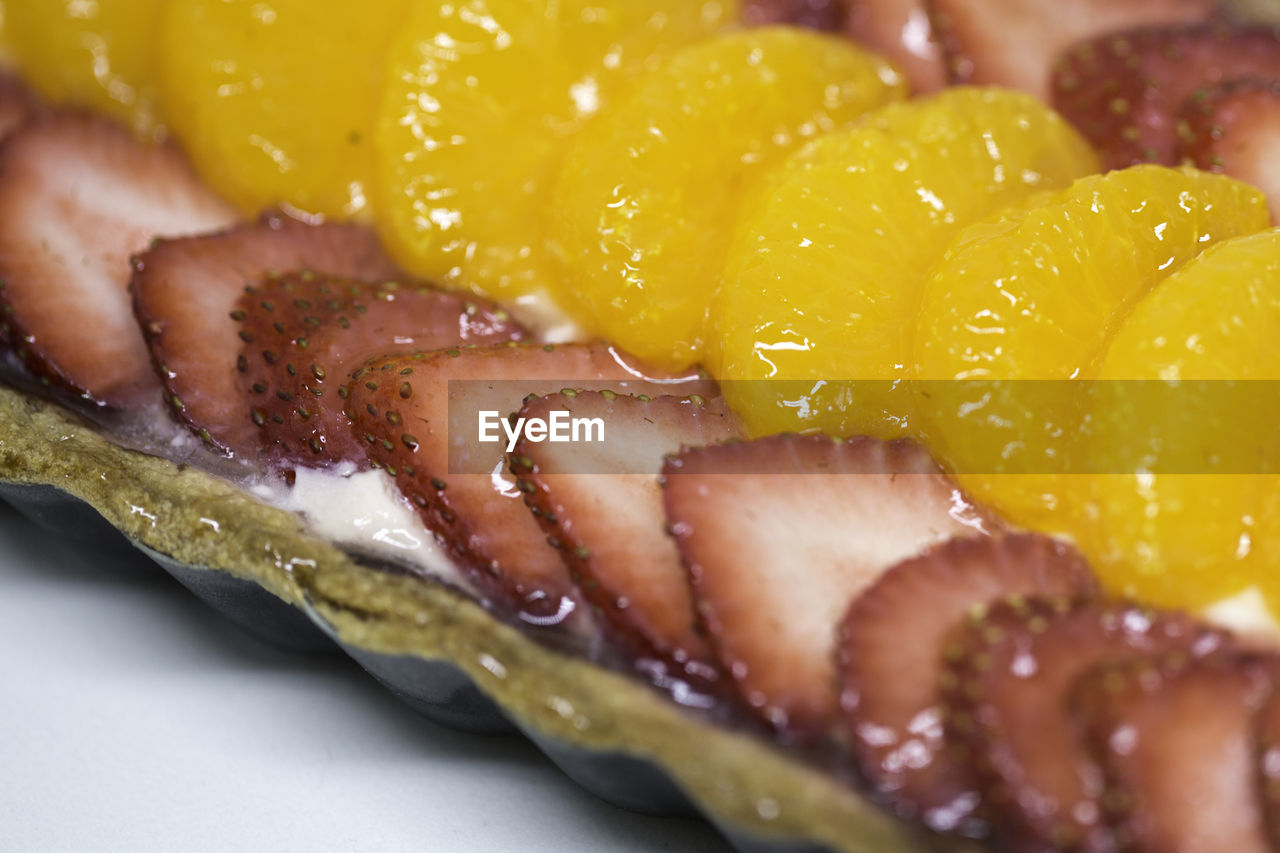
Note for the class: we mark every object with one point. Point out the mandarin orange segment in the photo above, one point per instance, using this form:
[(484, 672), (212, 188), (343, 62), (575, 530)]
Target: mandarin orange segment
[(274, 100), (100, 54), (482, 97), (1035, 293), (1187, 527), (824, 271), (644, 204)]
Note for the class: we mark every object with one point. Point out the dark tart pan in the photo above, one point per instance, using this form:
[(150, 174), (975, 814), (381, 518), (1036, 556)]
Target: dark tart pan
[(440, 652)]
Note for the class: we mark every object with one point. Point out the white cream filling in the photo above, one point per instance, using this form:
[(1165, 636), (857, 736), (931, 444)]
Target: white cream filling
[(553, 324), (363, 512), (1247, 614)]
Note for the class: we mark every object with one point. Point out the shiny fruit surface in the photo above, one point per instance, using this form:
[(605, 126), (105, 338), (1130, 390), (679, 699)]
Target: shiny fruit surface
[(99, 54), (1187, 526), (1026, 301), (274, 99), (813, 320), (482, 97), (645, 202)]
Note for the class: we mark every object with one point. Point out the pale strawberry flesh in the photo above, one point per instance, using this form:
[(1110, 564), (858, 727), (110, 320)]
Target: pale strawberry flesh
[(186, 290), (902, 31), (1267, 750), (425, 432), (601, 505), (303, 334), (779, 534), (1177, 746), (1008, 676), (1126, 91), (815, 14), (18, 105), (1014, 43), (1235, 129), (898, 29), (78, 196), (891, 664)]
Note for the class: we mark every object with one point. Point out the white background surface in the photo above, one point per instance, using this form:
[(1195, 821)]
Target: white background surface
[(134, 718)]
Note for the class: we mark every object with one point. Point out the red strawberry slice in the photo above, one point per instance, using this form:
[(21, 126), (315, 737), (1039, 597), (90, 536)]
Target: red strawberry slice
[(78, 195), (816, 14), (1005, 686), (891, 663), (304, 333), (899, 29), (420, 416), (1015, 42), (601, 504), (1126, 91), (1267, 731), (1176, 742), (780, 533), (902, 31), (185, 290), (18, 105), (1235, 129)]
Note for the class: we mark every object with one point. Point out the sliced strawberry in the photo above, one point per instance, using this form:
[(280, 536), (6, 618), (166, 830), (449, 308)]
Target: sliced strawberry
[(902, 31), (1007, 678), (1015, 42), (899, 29), (420, 415), (780, 533), (185, 290), (1125, 91), (77, 196), (890, 663), (1267, 733), (1176, 743), (1234, 128), (18, 105), (304, 333), (816, 14), (601, 504)]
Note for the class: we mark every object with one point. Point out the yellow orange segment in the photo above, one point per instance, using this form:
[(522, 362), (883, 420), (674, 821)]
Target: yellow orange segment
[(1035, 293), (1188, 527), (274, 99), (644, 205), (824, 270), (482, 97), (99, 54)]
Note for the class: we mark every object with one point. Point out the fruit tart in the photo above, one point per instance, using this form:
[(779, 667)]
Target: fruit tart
[(850, 420)]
